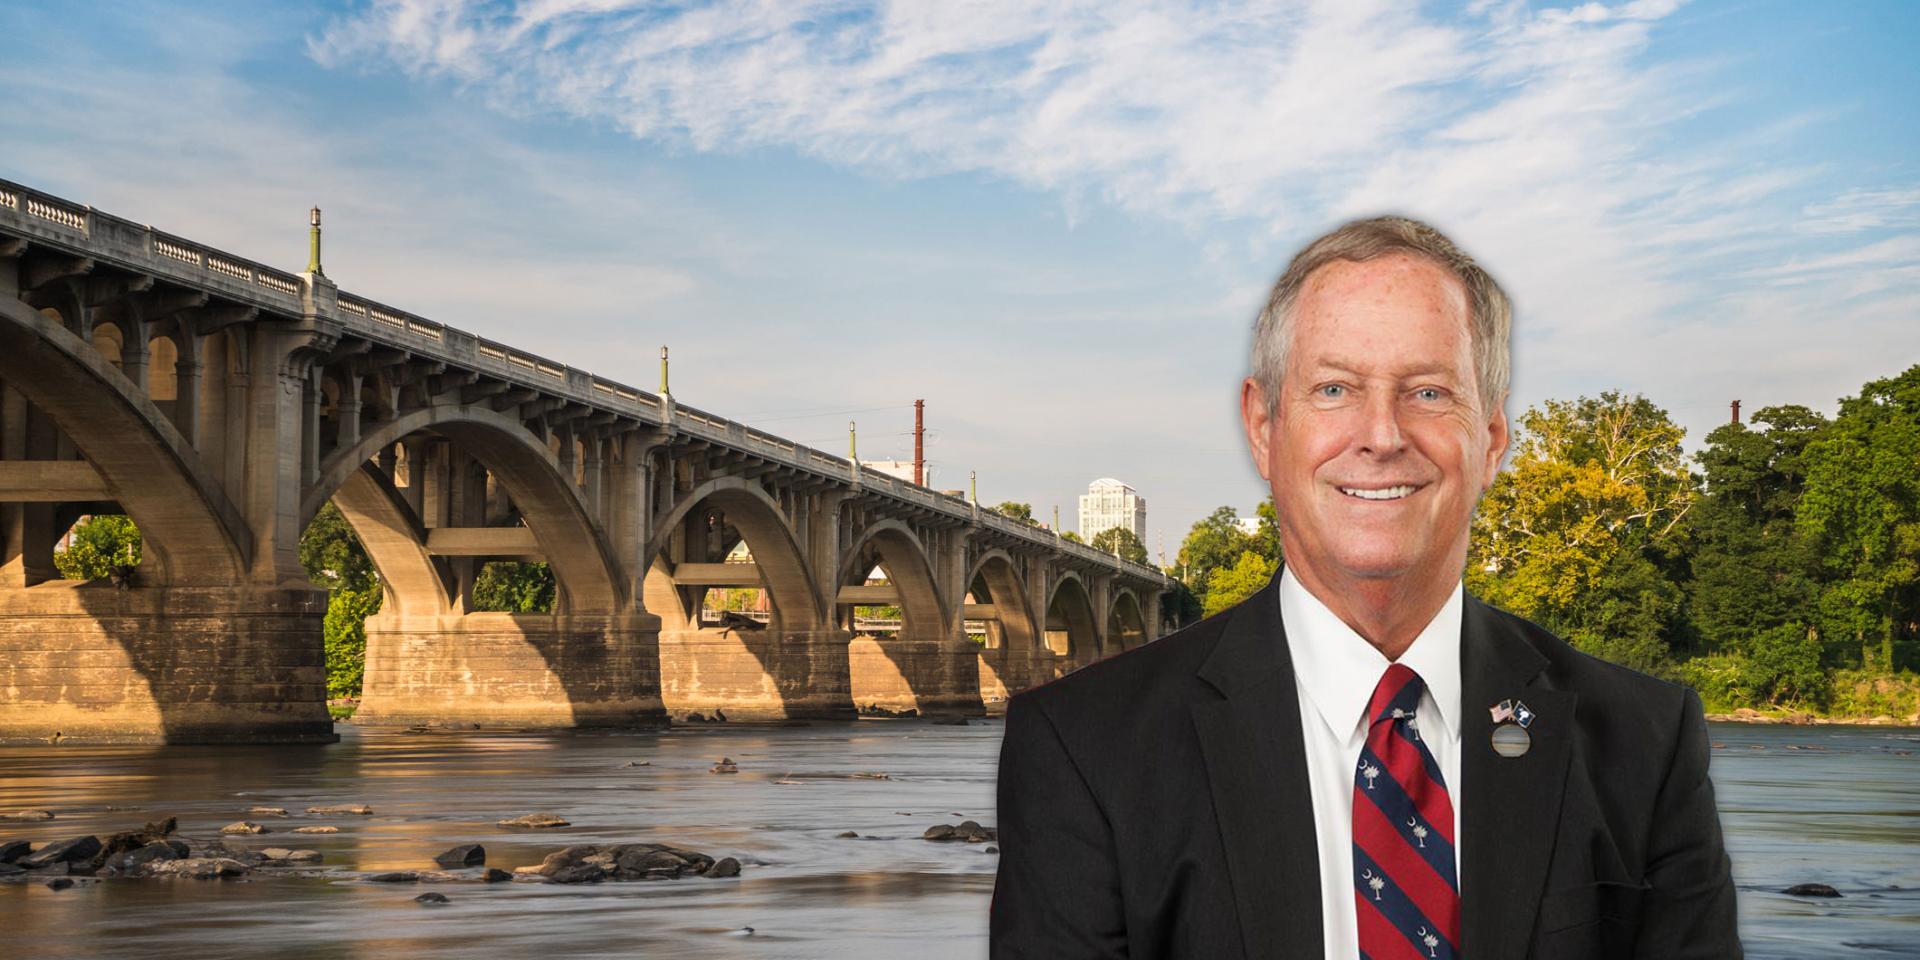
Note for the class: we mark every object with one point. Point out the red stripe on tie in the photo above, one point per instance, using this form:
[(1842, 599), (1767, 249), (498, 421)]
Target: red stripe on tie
[(1379, 938), (1430, 892), (1391, 683)]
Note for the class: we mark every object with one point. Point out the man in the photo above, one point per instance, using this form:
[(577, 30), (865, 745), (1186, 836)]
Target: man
[(1361, 761)]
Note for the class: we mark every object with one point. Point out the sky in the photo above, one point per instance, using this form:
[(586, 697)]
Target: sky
[(1052, 221)]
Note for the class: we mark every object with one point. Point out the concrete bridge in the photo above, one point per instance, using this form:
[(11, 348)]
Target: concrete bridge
[(220, 403)]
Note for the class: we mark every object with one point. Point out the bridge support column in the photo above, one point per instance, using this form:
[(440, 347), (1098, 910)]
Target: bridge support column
[(916, 677), (756, 674), (92, 663), (513, 670)]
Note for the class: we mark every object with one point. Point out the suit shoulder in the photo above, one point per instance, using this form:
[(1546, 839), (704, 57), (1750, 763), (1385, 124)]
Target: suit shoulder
[(1599, 683)]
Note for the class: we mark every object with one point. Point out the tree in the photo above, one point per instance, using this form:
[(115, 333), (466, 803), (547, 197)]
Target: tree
[(1583, 533), (1861, 510), (1121, 542), (514, 586), (1266, 539), (1227, 586), (1022, 512), (1214, 542), (101, 547), (1753, 571), (1070, 535), (334, 557)]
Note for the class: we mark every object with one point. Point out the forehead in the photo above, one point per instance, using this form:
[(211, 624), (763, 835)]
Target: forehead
[(1394, 307)]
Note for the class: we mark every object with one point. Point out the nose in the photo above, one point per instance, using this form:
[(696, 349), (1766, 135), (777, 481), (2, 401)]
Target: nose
[(1380, 433)]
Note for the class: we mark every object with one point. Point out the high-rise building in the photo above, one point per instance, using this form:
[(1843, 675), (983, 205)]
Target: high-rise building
[(1109, 503)]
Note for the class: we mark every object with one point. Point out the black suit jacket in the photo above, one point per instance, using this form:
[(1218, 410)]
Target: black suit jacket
[(1156, 804)]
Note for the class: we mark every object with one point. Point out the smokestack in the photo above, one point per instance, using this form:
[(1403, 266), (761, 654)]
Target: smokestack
[(1736, 411), (919, 448)]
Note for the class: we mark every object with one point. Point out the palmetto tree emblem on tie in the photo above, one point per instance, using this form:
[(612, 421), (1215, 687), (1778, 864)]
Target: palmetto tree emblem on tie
[(1427, 937), (1419, 831), (1374, 881), (1369, 771)]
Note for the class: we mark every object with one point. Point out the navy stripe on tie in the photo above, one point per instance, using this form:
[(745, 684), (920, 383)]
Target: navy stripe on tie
[(1397, 806), (1399, 909)]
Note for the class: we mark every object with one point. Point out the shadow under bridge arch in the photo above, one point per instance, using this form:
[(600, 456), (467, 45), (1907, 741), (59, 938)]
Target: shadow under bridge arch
[(915, 663)]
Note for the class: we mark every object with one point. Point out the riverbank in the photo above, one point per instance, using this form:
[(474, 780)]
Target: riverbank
[(1805, 719)]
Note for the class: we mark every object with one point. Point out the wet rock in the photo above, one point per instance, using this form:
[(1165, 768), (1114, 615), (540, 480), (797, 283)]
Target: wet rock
[(848, 835), (244, 826), (201, 868), (117, 846), (724, 867), (10, 870), (59, 883), (27, 816), (431, 898), (991, 850), (396, 876), (726, 765), (495, 875), (139, 860), (565, 857), (537, 821), (642, 864), (79, 849), (1811, 890), (871, 776), (316, 829), (291, 856), (639, 763), (967, 831), (351, 809), (268, 811), (465, 855), (579, 873), (13, 850)]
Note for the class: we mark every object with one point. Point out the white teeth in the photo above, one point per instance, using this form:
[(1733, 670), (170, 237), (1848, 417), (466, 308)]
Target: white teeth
[(1388, 493)]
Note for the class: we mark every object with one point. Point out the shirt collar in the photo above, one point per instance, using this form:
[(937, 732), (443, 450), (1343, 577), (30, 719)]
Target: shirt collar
[(1338, 668)]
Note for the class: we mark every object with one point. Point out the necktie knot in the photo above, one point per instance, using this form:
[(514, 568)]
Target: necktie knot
[(1396, 695)]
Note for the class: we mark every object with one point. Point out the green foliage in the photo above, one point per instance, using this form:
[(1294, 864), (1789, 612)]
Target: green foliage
[(1213, 544), (1022, 512), (332, 555), (1871, 693), (1227, 586), (345, 636), (1861, 514), (1070, 535), (1583, 533), (99, 544), (1121, 541), (514, 586)]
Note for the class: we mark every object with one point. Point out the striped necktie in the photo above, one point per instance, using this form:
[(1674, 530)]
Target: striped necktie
[(1406, 891)]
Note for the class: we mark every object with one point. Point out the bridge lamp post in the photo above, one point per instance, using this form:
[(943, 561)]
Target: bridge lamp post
[(313, 243), (663, 372)]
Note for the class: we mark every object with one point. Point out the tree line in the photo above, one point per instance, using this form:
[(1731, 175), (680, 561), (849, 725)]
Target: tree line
[(1777, 567)]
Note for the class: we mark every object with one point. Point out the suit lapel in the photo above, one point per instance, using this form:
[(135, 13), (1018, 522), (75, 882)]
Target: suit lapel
[(1511, 805), (1257, 771)]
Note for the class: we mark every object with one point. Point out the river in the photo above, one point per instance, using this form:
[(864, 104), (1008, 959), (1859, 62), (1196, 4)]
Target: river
[(1838, 805)]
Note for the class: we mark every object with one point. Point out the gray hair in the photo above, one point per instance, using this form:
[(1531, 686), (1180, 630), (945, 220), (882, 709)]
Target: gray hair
[(1489, 323)]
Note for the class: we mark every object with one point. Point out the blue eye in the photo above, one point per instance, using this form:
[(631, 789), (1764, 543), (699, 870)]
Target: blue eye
[(1332, 391), (1428, 393)]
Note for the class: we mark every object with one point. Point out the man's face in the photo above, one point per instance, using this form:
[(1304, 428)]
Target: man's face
[(1377, 450)]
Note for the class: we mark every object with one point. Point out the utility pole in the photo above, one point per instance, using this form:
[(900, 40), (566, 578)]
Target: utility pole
[(919, 437)]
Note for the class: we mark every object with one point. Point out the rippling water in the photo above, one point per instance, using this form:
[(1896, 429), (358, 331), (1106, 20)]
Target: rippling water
[(1828, 804)]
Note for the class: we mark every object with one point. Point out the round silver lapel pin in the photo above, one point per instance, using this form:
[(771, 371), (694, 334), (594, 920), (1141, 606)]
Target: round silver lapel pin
[(1511, 740)]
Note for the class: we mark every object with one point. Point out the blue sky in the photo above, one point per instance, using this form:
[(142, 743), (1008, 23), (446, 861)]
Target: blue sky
[(1053, 221)]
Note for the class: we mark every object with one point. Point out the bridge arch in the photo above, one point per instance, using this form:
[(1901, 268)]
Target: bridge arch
[(924, 668), (1126, 620), (1072, 632), (549, 501), (192, 532), (756, 515)]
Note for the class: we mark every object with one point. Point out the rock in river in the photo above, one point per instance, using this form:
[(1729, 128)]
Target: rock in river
[(537, 821), (1811, 890), (27, 815), (13, 850), (465, 855), (431, 898), (967, 831), (316, 829), (726, 765), (201, 868), (352, 809), (62, 851), (244, 826), (268, 811)]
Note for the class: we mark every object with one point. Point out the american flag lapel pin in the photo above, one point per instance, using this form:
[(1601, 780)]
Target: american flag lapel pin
[(1502, 711)]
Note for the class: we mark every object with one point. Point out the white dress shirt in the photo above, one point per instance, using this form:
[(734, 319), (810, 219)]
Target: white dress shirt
[(1336, 671)]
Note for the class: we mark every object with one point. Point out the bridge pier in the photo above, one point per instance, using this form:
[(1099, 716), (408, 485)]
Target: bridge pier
[(746, 674), (915, 677), (94, 663), (513, 670)]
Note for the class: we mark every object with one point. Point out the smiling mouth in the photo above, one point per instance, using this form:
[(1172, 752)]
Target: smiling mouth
[(1383, 493)]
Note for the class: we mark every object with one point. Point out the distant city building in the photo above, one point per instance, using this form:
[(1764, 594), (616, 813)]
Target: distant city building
[(1108, 503), (898, 469)]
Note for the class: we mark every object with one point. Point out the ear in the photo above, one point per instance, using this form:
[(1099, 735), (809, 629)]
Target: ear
[(1498, 437), (1253, 414)]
